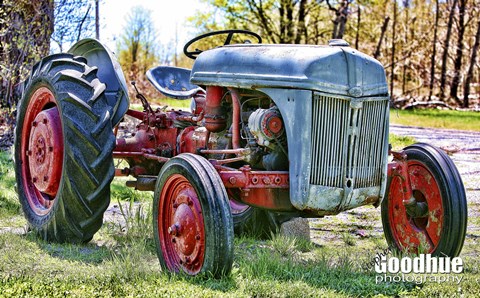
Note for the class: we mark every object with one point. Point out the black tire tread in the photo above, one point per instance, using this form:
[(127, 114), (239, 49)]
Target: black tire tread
[(83, 197)]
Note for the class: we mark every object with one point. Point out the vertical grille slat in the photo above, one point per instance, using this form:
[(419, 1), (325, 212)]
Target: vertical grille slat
[(347, 142)]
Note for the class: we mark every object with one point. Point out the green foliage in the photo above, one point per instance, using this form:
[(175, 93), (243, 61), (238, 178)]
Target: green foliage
[(138, 50)]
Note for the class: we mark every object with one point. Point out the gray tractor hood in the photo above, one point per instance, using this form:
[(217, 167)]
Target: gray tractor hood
[(332, 69)]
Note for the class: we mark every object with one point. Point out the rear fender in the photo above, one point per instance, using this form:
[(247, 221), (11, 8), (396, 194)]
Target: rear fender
[(109, 72)]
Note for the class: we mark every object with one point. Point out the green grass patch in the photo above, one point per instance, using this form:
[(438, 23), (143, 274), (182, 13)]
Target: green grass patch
[(121, 261), (400, 142), (9, 205), (464, 120), (119, 192)]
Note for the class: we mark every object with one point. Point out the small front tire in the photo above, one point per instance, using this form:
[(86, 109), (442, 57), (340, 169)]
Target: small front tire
[(193, 228), (435, 182)]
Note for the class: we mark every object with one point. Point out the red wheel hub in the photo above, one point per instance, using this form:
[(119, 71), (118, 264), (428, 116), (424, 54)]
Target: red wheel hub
[(180, 226), (416, 234), (42, 150), (45, 151)]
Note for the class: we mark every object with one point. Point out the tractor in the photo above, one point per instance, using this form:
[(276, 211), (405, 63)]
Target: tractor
[(274, 131)]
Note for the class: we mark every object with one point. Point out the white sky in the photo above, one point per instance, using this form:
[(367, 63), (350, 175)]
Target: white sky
[(166, 14)]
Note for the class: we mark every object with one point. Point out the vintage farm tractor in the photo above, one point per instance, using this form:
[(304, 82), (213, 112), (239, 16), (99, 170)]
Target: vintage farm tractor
[(274, 132)]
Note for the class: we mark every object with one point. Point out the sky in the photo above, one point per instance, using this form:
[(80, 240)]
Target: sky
[(167, 15)]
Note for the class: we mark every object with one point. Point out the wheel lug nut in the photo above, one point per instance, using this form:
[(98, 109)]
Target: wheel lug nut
[(45, 121), (174, 230), (197, 237), (34, 179), (34, 123)]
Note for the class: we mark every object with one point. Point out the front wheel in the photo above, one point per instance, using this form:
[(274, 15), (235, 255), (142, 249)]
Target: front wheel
[(193, 228), (437, 187)]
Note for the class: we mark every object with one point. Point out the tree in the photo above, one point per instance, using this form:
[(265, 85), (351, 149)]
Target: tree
[(137, 49), (278, 21), (394, 30), (341, 16), (24, 38), (417, 51), (443, 72), (459, 53), (434, 51), (74, 20), (473, 59)]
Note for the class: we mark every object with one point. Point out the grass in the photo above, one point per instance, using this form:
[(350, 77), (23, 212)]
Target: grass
[(464, 120), (399, 142), (121, 259)]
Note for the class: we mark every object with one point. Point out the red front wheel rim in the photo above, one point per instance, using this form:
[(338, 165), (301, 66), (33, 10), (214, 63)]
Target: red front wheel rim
[(181, 226), (41, 151), (416, 234)]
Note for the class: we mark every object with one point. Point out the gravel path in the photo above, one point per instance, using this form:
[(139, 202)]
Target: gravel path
[(462, 146)]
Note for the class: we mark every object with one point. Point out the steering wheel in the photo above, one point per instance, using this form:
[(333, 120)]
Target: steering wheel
[(228, 40)]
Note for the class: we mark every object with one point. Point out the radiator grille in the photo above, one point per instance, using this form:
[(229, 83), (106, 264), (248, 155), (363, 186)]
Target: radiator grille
[(348, 142)]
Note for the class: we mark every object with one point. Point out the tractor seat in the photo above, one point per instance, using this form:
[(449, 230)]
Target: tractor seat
[(173, 82)]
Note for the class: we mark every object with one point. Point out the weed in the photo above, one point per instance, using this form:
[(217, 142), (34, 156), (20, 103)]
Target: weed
[(283, 245), (348, 239)]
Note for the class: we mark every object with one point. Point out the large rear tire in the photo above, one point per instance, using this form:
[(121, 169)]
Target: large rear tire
[(435, 181), (193, 228), (63, 149)]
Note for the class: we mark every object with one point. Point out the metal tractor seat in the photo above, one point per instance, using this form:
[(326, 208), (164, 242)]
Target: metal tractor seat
[(173, 82)]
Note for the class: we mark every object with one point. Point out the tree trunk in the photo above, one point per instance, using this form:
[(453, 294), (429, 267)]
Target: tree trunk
[(406, 4), (23, 42), (443, 72), (359, 18), (473, 60), (434, 51), (341, 16), (459, 54), (302, 26), (382, 36), (394, 26)]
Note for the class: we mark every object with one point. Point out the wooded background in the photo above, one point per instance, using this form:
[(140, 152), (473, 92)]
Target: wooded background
[(428, 48)]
